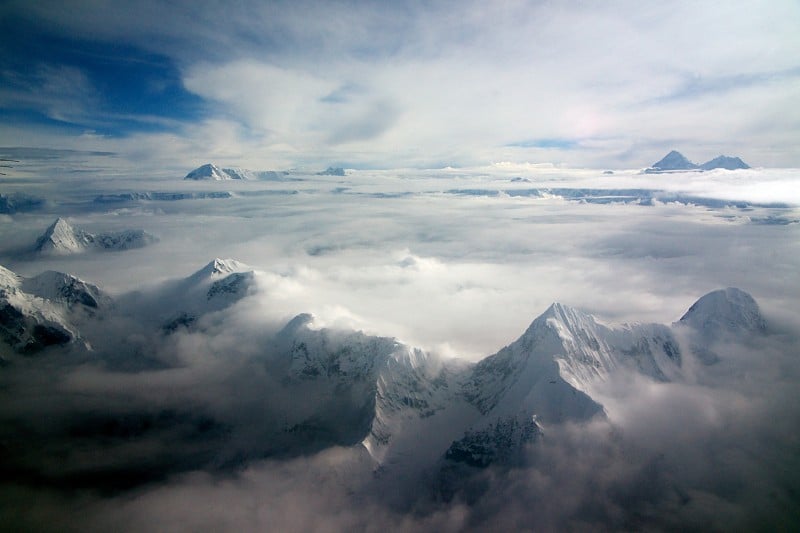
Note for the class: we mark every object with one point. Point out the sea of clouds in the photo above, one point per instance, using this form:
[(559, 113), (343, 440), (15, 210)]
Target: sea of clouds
[(457, 262)]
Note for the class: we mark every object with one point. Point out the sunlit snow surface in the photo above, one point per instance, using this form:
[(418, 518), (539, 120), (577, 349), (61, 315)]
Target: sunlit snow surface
[(437, 269)]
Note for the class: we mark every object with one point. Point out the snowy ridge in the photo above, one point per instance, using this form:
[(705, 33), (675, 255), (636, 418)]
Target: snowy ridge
[(406, 407), (43, 311), (62, 239), (66, 289), (212, 172), (527, 374)]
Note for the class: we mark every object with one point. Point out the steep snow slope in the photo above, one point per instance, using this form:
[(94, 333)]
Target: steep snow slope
[(66, 289), (211, 172), (62, 238), (45, 310)]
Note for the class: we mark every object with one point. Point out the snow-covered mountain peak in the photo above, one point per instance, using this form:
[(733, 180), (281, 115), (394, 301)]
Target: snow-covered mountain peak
[(726, 162), (674, 161), (566, 321), (219, 268), (725, 311), (209, 171), (60, 226), (37, 312), (212, 172), (62, 238)]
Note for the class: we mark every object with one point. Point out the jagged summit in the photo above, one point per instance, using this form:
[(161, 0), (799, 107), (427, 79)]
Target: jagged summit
[(723, 161), (209, 171), (725, 311), (212, 172), (60, 226), (61, 238)]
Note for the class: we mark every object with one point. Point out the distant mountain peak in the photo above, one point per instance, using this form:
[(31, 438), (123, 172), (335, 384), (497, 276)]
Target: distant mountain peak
[(217, 268), (212, 172), (725, 311), (224, 266), (61, 238), (726, 162), (674, 161)]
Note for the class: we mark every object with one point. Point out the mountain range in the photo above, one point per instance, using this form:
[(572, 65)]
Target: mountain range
[(60, 238), (675, 162), (410, 410), (211, 172)]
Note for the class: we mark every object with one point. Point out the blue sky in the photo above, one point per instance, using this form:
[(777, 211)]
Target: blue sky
[(408, 84)]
